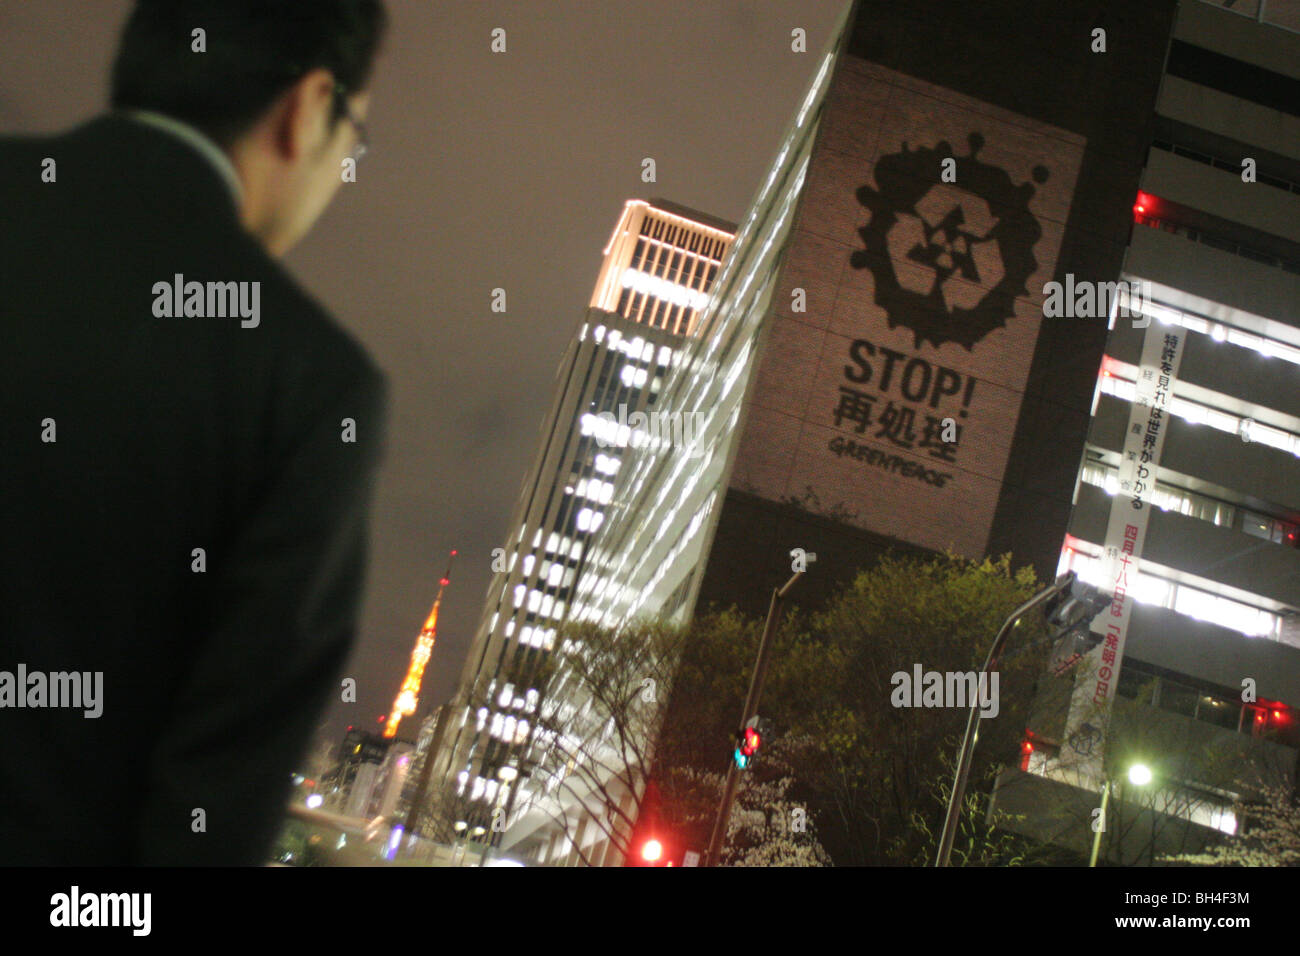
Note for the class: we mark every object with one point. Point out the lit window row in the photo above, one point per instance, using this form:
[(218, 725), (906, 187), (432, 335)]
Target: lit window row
[(589, 520), (1219, 332), (542, 637), (558, 575), (1164, 497), (563, 545), (633, 377), (1115, 382), (492, 791), (635, 348), (511, 730), (1085, 559), (596, 490), (606, 431), (538, 603), (661, 288)]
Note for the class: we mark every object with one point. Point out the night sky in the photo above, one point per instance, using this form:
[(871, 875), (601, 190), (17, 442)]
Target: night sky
[(485, 170)]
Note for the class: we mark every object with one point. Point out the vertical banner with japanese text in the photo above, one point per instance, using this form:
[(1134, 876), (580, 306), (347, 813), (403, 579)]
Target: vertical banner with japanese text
[(1097, 679)]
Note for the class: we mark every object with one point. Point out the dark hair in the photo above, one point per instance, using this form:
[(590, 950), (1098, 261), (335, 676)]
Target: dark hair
[(255, 50)]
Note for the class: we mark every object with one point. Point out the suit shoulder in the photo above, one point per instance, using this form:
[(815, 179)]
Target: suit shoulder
[(22, 159), (294, 322)]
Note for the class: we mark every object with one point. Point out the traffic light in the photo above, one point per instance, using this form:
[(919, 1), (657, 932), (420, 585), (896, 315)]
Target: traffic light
[(748, 740), (1075, 605), (1069, 614), (652, 851)]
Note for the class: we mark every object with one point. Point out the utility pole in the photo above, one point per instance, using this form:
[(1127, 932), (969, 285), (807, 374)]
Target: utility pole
[(748, 714)]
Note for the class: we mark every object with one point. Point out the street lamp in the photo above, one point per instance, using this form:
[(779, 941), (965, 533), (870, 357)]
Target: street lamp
[(1139, 774)]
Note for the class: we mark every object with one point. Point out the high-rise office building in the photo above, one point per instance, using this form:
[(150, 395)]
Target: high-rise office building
[(654, 283), (877, 371), (874, 371), (893, 277), (883, 363), (1187, 506)]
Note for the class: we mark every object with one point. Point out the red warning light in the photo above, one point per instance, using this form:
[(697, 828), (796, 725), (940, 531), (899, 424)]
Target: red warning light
[(1026, 751)]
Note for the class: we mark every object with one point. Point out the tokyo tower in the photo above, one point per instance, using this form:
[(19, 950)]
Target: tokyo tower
[(409, 696)]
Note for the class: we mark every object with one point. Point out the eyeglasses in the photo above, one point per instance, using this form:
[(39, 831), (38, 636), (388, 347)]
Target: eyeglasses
[(363, 138)]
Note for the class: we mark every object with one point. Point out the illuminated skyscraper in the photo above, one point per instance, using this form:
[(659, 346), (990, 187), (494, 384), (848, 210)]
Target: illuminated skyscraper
[(658, 270)]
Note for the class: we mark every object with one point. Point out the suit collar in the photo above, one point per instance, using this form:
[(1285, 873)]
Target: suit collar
[(204, 146)]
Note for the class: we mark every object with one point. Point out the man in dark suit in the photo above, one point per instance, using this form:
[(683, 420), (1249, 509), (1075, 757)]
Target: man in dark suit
[(189, 440)]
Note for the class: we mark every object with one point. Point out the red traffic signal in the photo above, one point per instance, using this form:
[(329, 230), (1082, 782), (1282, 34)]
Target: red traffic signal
[(652, 851), (747, 744)]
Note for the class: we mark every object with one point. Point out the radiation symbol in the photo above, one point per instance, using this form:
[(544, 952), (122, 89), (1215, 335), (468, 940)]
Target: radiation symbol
[(948, 259)]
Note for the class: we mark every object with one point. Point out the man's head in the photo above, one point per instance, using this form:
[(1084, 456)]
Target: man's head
[(280, 86)]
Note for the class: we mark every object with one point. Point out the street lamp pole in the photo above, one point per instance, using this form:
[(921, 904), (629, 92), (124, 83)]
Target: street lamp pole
[(1096, 837), (973, 718), (1139, 774), (751, 709)]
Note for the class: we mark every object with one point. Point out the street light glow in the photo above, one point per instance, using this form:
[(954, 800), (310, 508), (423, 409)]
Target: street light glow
[(1139, 774)]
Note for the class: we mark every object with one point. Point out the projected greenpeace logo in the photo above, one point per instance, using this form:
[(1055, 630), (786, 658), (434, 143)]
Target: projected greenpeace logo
[(892, 387), (974, 237)]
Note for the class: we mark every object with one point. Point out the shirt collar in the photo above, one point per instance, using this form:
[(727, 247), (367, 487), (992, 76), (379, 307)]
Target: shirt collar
[(205, 147)]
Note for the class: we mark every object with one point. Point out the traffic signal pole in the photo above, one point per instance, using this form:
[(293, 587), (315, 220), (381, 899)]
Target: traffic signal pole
[(750, 712), (958, 795)]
